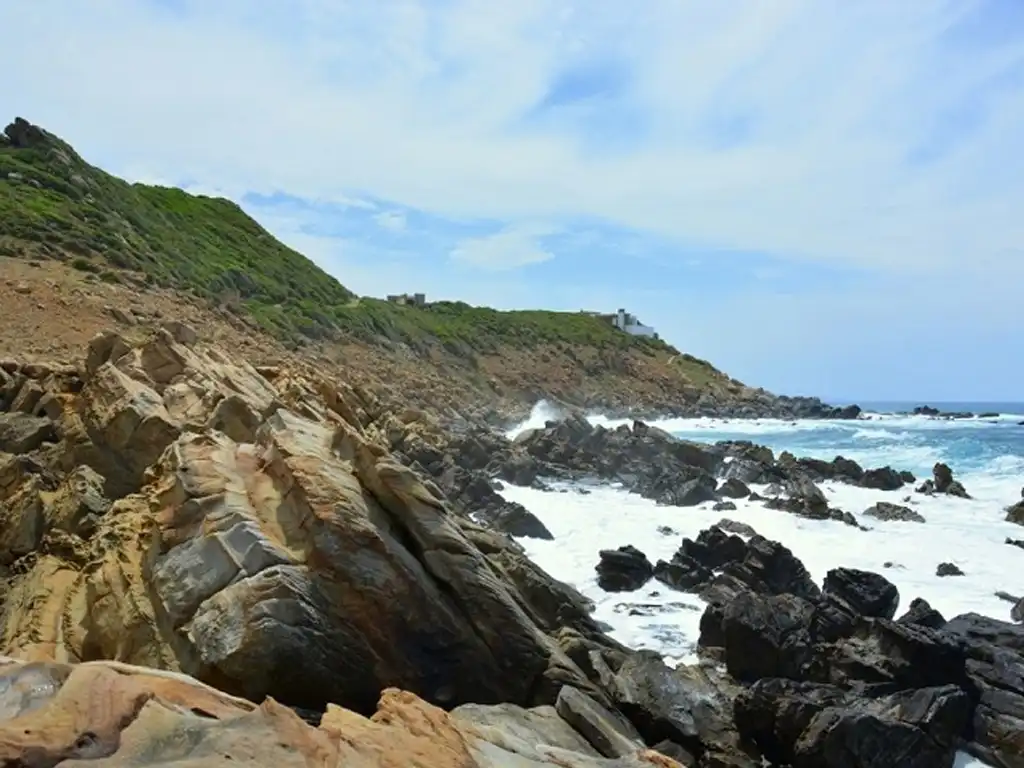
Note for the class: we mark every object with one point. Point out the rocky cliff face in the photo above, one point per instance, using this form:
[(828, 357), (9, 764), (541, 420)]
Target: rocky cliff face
[(168, 507)]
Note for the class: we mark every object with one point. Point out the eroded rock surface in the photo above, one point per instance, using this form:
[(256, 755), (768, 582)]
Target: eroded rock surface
[(254, 529)]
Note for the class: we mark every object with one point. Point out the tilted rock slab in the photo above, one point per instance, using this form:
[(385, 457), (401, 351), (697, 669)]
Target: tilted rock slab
[(260, 537)]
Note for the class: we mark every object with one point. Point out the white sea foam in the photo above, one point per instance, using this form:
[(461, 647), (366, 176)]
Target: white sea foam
[(968, 532)]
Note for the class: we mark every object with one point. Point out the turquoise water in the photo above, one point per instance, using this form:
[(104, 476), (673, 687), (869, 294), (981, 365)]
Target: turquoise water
[(991, 448)]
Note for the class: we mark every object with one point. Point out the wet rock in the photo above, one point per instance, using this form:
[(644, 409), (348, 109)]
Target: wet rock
[(942, 482), (732, 488), (690, 707), (884, 510), (922, 614), (724, 506), (623, 570), (948, 569), (882, 479), (866, 593), (809, 724), (734, 526)]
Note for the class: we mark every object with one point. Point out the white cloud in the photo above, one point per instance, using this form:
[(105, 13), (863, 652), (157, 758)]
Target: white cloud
[(392, 220), (509, 249), (423, 104)]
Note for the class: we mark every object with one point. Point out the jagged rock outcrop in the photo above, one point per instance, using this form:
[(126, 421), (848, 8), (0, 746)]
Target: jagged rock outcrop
[(250, 528), (654, 464), (828, 678), (114, 716), (942, 482)]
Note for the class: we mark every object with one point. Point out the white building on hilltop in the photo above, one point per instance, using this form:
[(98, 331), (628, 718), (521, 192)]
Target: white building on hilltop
[(626, 322)]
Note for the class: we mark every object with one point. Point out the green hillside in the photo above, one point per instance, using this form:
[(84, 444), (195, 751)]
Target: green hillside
[(55, 205)]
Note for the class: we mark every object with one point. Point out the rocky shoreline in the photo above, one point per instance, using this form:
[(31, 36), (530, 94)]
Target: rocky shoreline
[(183, 536)]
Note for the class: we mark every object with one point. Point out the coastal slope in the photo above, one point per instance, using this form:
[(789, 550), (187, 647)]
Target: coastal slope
[(95, 243)]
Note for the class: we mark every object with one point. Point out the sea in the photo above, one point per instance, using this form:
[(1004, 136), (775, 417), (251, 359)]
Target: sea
[(986, 455)]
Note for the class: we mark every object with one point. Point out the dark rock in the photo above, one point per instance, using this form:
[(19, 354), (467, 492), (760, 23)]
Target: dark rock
[(724, 506), (1016, 542), (691, 493), (882, 479), (733, 488), (885, 510), (922, 614), (1015, 514), (682, 573), (942, 482), (623, 570), (948, 569), (1017, 612), (734, 526), (665, 530), (690, 707), (868, 594), (516, 520), (805, 725)]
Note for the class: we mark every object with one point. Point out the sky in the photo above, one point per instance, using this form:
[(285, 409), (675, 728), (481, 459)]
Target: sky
[(819, 196)]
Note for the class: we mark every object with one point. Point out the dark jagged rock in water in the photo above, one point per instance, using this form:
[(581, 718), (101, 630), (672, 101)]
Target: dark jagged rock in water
[(718, 565), (821, 677), (813, 724), (623, 570), (922, 614), (882, 479), (948, 569), (885, 510), (868, 594), (942, 482), (1015, 514), (800, 496), (1015, 542), (724, 506)]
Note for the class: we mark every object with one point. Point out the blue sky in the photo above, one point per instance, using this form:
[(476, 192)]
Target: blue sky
[(819, 196)]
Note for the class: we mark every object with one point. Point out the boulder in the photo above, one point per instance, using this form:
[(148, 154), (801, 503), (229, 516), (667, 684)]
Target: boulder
[(22, 432), (884, 510), (882, 479), (942, 482), (866, 593), (921, 613), (733, 488), (623, 570)]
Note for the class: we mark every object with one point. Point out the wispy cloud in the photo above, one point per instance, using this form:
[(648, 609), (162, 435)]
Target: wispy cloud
[(393, 220), (510, 248), (874, 138)]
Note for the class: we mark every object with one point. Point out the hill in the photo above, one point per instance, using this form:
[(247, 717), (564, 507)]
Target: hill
[(56, 208)]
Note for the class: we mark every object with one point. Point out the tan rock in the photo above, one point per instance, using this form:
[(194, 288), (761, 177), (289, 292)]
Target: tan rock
[(262, 539), (118, 716)]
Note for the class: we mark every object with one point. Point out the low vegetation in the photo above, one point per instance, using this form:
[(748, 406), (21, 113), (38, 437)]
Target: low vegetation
[(53, 204)]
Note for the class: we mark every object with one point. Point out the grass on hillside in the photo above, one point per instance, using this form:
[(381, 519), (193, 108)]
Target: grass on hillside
[(53, 203)]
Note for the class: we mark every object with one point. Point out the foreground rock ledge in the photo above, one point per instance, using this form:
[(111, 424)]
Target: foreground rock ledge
[(114, 715)]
